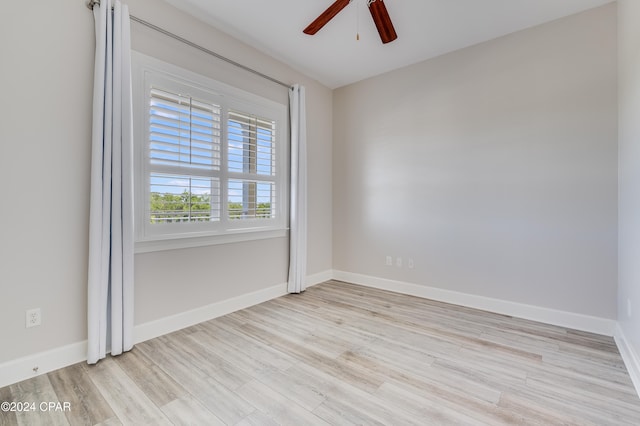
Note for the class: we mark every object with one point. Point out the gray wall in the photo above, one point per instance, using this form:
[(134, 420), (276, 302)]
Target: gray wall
[(629, 164), (47, 74), (45, 132), (494, 168)]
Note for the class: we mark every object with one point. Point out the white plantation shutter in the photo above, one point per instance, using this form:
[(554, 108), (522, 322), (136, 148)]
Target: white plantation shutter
[(184, 154), (212, 160), (252, 160), (184, 132), (251, 144)]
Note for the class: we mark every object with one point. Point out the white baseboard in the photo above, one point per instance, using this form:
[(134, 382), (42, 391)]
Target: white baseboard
[(572, 320), (15, 371), (319, 278), (630, 357), (22, 368)]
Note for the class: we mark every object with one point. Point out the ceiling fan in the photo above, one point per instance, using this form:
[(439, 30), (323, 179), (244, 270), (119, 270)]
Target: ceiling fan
[(378, 13)]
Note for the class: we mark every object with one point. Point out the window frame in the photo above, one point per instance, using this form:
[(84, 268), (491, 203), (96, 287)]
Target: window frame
[(148, 71)]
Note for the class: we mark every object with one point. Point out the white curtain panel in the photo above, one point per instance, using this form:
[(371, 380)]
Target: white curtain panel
[(110, 278), (298, 214)]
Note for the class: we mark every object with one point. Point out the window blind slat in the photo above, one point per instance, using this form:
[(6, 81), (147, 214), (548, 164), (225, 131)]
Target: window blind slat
[(183, 132), (251, 144), (161, 139)]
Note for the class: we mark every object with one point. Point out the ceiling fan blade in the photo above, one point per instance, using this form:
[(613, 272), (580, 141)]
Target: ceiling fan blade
[(383, 21), (326, 16)]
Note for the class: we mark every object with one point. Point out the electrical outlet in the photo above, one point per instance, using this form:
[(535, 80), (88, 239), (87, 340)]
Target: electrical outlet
[(410, 264), (33, 317), (399, 262), (389, 261)]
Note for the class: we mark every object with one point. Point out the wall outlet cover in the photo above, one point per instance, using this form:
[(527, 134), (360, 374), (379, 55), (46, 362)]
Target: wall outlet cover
[(33, 317)]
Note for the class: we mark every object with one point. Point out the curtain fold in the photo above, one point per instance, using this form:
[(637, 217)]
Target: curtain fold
[(298, 189), (110, 274)]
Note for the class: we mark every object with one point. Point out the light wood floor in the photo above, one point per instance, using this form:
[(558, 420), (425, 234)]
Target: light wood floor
[(342, 354)]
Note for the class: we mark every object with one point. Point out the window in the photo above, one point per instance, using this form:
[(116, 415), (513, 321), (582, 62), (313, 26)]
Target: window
[(210, 160)]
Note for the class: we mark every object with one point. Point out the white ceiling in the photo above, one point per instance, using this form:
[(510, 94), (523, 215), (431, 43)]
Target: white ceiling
[(426, 28)]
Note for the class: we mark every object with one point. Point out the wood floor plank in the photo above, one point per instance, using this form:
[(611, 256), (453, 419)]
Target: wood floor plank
[(590, 404), (341, 395), (130, 403), (357, 377), (430, 410), (257, 418), (151, 379), (7, 417), (539, 412), (88, 406), (308, 338), (251, 366), (282, 410), (581, 385), (209, 364), (426, 377), (542, 396), (217, 398), (305, 389), (187, 411), (113, 421), (252, 348), (289, 309), (34, 392), (344, 354), (476, 408), (336, 412), (498, 371)]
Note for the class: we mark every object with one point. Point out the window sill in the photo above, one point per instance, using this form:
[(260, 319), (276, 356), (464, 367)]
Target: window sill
[(147, 246)]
